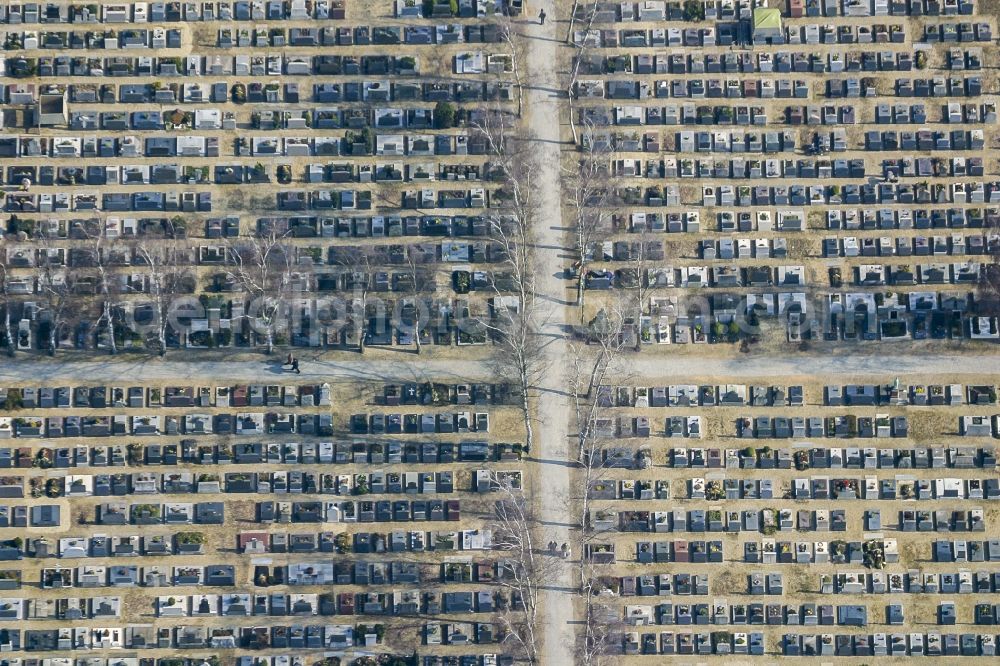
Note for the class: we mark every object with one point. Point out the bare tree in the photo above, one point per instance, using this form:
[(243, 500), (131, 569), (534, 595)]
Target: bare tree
[(168, 268), (590, 7), (582, 47), (357, 263), (519, 349), (589, 193), (418, 317), (638, 282), (262, 264), (515, 44), (602, 621), (526, 568), (59, 303), (514, 321), (108, 286), (359, 301), (594, 364), (988, 289), (8, 305)]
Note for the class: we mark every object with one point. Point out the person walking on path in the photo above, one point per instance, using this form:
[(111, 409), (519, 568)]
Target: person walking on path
[(295, 366), (288, 361), (541, 17)]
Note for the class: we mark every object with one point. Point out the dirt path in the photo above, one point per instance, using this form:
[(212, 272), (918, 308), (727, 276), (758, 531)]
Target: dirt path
[(542, 106), (175, 368)]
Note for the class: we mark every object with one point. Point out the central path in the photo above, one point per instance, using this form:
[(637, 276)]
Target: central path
[(40, 370), (542, 106)]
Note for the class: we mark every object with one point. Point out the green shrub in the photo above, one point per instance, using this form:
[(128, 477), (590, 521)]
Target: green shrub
[(190, 538), (694, 10), (14, 400), (444, 115), (462, 282), (17, 225)]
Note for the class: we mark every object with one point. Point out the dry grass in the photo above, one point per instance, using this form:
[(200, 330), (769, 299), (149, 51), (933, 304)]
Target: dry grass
[(801, 580), (204, 36), (728, 581), (136, 603), (910, 553)]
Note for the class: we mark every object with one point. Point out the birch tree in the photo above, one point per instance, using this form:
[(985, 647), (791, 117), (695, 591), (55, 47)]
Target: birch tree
[(8, 305), (516, 55), (588, 6), (514, 317), (589, 194), (513, 320), (358, 262), (59, 303), (638, 266), (594, 366), (168, 267), (262, 264), (420, 314), (526, 570), (988, 289), (581, 47), (107, 287), (603, 627)]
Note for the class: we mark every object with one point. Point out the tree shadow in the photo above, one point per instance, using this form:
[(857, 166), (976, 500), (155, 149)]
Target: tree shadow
[(550, 461)]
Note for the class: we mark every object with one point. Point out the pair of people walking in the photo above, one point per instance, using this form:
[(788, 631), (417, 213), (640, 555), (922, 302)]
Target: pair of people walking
[(294, 362), (564, 549)]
